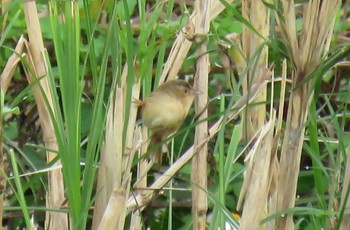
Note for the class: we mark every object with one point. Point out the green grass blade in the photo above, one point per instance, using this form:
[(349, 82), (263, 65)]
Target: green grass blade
[(20, 191)]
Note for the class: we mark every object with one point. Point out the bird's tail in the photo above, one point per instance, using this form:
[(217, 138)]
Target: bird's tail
[(157, 154)]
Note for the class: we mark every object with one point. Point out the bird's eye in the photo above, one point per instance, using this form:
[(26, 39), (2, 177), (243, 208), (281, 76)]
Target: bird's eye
[(186, 91)]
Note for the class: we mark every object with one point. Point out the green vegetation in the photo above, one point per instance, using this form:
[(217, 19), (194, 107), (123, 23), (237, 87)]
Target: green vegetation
[(72, 143)]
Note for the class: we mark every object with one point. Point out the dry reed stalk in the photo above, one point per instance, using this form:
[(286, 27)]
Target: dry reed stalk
[(117, 199), (113, 164), (261, 173), (199, 162), (110, 168), (11, 65), (143, 167), (5, 79), (42, 92), (274, 165), (256, 183), (115, 211), (306, 54), (258, 15), (182, 45), (143, 197), (126, 180)]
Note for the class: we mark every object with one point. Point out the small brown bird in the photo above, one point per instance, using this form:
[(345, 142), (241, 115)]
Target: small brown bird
[(164, 111)]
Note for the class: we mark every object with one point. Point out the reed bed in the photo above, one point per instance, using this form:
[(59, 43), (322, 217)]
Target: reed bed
[(263, 69)]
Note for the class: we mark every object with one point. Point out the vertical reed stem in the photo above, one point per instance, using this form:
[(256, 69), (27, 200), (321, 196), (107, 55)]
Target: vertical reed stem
[(199, 162), (55, 195)]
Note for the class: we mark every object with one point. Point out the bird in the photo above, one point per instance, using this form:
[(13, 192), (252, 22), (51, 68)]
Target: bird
[(164, 111)]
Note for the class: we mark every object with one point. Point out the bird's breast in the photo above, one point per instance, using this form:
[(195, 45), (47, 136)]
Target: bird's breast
[(163, 113)]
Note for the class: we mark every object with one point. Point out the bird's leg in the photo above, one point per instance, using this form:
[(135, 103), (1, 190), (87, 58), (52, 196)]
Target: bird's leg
[(166, 150)]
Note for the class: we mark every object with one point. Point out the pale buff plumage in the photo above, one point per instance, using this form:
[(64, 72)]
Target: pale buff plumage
[(164, 111)]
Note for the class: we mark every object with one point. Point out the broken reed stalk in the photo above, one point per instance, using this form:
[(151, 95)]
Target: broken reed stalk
[(258, 15), (42, 93), (256, 184), (261, 173), (115, 212), (115, 165), (142, 169), (11, 65), (5, 79), (252, 63), (199, 161), (306, 54), (274, 165), (110, 168)]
